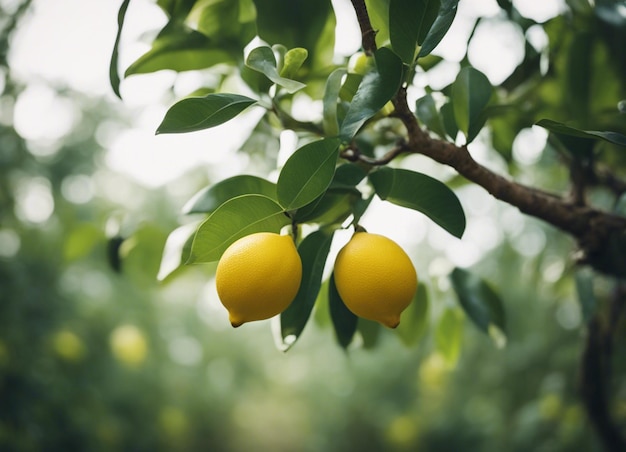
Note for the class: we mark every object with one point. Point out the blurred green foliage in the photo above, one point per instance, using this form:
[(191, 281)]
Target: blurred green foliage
[(95, 355)]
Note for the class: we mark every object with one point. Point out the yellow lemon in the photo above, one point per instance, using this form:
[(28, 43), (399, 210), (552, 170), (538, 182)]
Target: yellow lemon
[(258, 276), (375, 278), (129, 344)]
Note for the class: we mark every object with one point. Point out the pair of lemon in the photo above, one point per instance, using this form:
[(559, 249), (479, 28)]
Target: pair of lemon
[(259, 275)]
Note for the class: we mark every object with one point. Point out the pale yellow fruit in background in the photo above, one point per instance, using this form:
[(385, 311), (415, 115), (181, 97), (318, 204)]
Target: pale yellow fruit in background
[(258, 277), (68, 345), (129, 344), (375, 278)]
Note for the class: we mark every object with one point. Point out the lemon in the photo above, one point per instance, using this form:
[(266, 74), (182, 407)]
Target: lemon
[(129, 344), (375, 278), (258, 276)]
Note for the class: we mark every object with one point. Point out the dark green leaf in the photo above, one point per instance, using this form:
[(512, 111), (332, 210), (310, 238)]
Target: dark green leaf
[(210, 198), (331, 97), (471, 93), (481, 303), (409, 22), (198, 113), (344, 321), (262, 60), (313, 251), (375, 90), (176, 9), (563, 129), (586, 297), (177, 249), (178, 48), (307, 24), (449, 335), (307, 173), (332, 208), (422, 193), (449, 123), (440, 27), (234, 219), (114, 76), (348, 175), (414, 320), (426, 111), (369, 331)]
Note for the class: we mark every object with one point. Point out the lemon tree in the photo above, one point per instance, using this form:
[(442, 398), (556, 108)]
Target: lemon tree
[(365, 114)]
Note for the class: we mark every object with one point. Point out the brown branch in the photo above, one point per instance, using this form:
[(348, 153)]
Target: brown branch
[(595, 372), (353, 154), (368, 35)]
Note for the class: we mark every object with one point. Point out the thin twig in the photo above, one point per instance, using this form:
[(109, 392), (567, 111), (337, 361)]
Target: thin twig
[(368, 35)]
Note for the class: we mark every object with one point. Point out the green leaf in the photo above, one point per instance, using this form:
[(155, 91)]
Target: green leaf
[(177, 249), (294, 58), (409, 22), (307, 24), (449, 335), (180, 49), (262, 60), (198, 113), (563, 129), (331, 96), (332, 208), (422, 193), (375, 90), (449, 123), (114, 76), (344, 321), (481, 303), (426, 111), (313, 251), (471, 92), (81, 241), (378, 11), (369, 331), (586, 296), (307, 173), (234, 219), (440, 27), (210, 198), (348, 175), (414, 321)]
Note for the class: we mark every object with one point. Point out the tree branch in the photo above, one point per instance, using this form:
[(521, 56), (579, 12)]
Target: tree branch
[(368, 35), (595, 372)]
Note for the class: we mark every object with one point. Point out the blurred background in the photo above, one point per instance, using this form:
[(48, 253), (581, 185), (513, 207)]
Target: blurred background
[(96, 355)]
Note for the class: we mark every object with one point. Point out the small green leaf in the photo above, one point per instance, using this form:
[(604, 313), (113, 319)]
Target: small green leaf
[(114, 76), (378, 11), (449, 335), (332, 208), (234, 219), (262, 60), (307, 173), (198, 113), (426, 111), (348, 175), (293, 60), (586, 296), (375, 90), (331, 96), (414, 320), (178, 48), (563, 129), (449, 123), (440, 27), (471, 92), (177, 249), (313, 251), (409, 22), (210, 198), (480, 302), (344, 321), (422, 193)]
